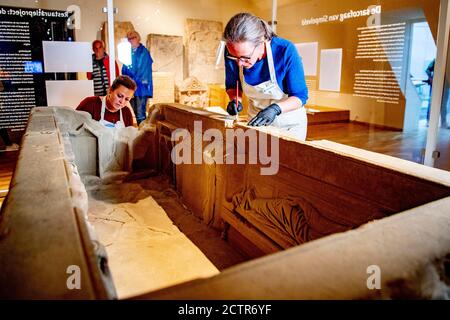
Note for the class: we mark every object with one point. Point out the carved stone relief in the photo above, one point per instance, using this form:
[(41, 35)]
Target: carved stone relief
[(193, 93), (163, 87), (202, 40), (167, 52)]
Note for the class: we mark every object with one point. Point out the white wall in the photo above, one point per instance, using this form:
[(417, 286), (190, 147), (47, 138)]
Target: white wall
[(168, 16), (148, 16)]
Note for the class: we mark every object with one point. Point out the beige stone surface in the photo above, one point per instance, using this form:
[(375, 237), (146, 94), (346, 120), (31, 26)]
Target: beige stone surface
[(218, 96), (349, 188), (194, 93), (146, 251), (42, 226), (409, 249), (168, 54), (202, 40), (163, 87), (120, 31)]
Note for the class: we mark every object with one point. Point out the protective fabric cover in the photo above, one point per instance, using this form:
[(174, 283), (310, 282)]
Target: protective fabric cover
[(110, 150)]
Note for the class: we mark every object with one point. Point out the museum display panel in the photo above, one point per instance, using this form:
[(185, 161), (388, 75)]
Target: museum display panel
[(22, 33), (368, 58)]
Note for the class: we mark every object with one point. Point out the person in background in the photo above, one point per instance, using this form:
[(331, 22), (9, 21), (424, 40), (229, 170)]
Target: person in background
[(111, 110), (430, 73), (140, 71), (100, 69), (269, 71)]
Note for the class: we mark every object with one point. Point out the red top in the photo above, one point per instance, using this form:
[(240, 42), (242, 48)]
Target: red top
[(93, 105)]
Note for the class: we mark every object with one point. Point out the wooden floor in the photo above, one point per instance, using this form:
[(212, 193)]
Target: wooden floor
[(322, 115), (406, 146), (7, 164)]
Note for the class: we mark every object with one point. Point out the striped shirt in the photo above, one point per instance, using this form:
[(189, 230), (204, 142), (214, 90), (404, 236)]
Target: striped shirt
[(100, 77)]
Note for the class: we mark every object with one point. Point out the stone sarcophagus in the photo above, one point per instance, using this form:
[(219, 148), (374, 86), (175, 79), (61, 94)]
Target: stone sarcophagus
[(74, 214), (48, 249), (319, 218), (320, 209)]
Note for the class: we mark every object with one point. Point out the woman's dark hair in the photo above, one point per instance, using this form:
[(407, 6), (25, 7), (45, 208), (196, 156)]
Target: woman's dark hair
[(246, 27), (125, 81)]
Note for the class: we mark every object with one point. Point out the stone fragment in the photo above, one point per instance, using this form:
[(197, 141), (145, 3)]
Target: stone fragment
[(202, 41)]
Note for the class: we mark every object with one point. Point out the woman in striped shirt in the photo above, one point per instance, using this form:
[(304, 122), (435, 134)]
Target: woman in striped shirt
[(100, 69)]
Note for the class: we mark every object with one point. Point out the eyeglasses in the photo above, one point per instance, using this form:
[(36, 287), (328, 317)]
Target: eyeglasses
[(131, 38), (242, 58)]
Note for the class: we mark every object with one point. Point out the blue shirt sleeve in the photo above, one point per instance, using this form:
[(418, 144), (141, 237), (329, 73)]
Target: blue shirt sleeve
[(288, 68), (126, 71), (231, 73)]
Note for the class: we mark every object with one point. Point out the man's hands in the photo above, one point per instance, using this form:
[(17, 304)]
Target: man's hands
[(232, 109), (266, 116)]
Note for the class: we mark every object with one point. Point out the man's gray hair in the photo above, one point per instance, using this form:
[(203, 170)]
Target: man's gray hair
[(245, 27), (134, 33)]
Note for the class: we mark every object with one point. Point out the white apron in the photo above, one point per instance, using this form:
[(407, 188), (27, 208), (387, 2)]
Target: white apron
[(292, 123), (114, 146), (118, 125)]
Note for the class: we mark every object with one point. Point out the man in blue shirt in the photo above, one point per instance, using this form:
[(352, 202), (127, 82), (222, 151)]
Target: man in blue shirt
[(269, 71), (140, 71)]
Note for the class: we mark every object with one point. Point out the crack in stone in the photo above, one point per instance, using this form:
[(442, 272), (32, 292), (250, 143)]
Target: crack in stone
[(110, 219), (109, 213), (129, 214), (160, 231)]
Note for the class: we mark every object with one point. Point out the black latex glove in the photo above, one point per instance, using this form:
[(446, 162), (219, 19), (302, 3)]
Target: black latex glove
[(232, 109), (266, 116)]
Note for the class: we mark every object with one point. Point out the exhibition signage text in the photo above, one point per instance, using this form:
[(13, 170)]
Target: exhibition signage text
[(341, 17)]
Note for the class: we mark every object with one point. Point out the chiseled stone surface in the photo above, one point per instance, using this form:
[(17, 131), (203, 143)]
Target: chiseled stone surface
[(163, 87), (192, 92), (146, 250), (167, 52), (202, 40)]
